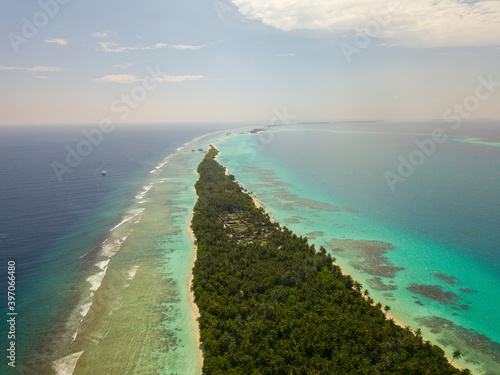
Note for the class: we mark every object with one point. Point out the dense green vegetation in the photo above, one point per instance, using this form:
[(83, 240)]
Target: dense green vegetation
[(277, 306)]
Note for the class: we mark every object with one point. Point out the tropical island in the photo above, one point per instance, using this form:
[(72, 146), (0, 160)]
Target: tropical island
[(270, 303)]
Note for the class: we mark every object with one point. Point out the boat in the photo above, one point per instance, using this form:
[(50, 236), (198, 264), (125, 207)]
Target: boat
[(103, 173)]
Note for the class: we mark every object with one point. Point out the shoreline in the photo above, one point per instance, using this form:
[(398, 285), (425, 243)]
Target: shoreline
[(194, 306)]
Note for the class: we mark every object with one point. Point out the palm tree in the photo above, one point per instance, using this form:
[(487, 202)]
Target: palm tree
[(357, 286), (456, 355), (387, 308)]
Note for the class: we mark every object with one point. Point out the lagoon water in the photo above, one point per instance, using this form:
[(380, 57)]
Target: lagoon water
[(428, 249), (104, 262)]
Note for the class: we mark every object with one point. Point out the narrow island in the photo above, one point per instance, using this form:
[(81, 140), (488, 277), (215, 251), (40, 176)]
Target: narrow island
[(270, 303)]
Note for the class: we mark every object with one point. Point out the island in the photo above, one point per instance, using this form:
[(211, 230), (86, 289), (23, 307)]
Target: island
[(270, 303)]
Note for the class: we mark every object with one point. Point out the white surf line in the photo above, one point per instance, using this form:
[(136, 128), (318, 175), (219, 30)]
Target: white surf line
[(96, 279), (132, 214), (144, 191), (66, 365), (182, 148), (163, 162), (132, 272), (131, 275)]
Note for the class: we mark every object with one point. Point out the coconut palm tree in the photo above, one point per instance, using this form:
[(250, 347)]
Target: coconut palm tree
[(456, 354)]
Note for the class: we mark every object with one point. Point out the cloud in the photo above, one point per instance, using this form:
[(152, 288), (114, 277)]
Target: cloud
[(124, 65), (128, 78), (115, 47), (33, 69), (183, 46), (42, 77), (169, 78), (60, 41), (118, 78), (100, 34), (423, 23), (286, 55)]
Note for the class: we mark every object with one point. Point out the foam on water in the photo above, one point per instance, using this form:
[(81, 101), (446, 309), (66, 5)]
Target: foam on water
[(84, 309), (144, 192), (130, 215), (162, 164), (66, 365), (132, 272), (108, 249), (96, 280)]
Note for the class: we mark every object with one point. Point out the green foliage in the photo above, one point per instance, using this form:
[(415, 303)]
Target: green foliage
[(280, 306)]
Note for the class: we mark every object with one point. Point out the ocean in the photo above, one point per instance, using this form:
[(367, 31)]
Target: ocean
[(62, 222), (103, 262)]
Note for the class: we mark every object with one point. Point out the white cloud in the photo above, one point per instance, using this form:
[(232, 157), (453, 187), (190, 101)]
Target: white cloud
[(286, 55), (42, 77), (32, 69), (100, 34), (60, 41), (118, 78), (184, 46), (128, 78), (124, 65), (423, 23), (169, 78), (115, 47)]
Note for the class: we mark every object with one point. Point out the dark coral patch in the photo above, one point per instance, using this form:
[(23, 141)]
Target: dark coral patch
[(367, 256), (467, 290), (377, 284), (434, 292), (450, 280)]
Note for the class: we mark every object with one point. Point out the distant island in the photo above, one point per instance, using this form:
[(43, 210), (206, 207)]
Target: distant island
[(253, 131), (270, 303)]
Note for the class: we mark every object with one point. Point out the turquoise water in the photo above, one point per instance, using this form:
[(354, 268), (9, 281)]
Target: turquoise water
[(436, 234)]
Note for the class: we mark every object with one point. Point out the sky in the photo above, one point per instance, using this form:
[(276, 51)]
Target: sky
[(84, 62)]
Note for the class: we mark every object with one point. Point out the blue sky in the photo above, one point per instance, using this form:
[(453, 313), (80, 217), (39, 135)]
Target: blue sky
[(73, 61)]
